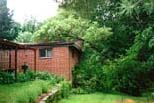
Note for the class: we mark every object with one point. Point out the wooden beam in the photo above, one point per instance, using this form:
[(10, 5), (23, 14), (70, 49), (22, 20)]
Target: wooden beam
[(35, 60), (16, 56), (10, 59)]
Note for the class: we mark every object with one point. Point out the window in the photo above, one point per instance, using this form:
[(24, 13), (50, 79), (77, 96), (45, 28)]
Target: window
[(45, 53)]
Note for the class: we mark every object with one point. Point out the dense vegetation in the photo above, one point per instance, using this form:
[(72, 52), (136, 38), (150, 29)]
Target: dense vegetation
[(123, 62), (27, 30), (26, 92), (8, 27), (118, 47), (29, 86), (120, 59)]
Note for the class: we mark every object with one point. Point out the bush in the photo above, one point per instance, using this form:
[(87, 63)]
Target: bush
[(88, 75), (44, 76), (64, 92), (65, 89), (9, 77), (47, 76), (127, 75), (131, 74), (6, 77), (28, 76)]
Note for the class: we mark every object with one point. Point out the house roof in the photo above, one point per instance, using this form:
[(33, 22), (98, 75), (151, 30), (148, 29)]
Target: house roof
[(54, 44), (6, 44), (13, 45)]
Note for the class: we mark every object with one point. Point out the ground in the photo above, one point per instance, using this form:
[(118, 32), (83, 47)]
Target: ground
[(26, 92), (103, 98)]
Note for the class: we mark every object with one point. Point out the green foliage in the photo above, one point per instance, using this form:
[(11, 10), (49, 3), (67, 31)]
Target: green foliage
[(88, 74), (70, 27), (6, 77), (8, 28), (125, 17), (44, 75), (130, 74), (47, 76), (27, 30), (54, 98), (122, 61), (25, 92), (65, 89), (28, 76), (30, 25), (79, 91), (9, 77), (24, 37), (63, 92)]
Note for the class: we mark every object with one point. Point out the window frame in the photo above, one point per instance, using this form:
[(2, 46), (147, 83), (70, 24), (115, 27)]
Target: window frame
[(47, 51)]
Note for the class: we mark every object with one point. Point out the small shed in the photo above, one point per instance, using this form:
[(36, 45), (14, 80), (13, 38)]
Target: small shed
[(57, 57)]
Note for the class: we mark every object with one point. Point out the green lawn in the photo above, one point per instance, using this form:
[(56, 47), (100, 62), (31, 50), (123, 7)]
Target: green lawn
[(101, 98), (26, 92)]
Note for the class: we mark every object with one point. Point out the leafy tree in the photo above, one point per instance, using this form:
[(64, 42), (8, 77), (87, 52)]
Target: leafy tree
[(8, 28), (125, 17), (24, 37), (69, 27), (30, 25), (27, 30), (125, 60)]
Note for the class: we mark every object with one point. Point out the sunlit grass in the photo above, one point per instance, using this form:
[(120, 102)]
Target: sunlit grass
[(26, 92), (101, 98)]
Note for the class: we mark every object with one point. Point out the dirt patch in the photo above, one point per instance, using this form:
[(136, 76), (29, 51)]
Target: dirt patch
[(130, 101), (126, 101)]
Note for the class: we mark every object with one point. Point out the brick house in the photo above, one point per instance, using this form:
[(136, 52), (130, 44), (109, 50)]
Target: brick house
[(56, 57)]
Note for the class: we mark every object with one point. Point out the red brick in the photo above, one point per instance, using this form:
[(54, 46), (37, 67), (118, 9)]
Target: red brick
[(61, 62)]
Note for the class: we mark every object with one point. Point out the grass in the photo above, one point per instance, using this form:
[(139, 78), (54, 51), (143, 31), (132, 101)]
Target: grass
[(26, 92), (101, 98)]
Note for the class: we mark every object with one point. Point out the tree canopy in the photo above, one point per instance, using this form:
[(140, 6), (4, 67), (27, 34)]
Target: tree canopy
[(69, 27), (28, 28), (8, 28), (123, 62)]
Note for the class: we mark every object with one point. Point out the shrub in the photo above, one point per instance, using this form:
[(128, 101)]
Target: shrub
[(105, 67), (47, 76), (28, 76), (44, 76), (89, 73), (6, 77), (65, 89)]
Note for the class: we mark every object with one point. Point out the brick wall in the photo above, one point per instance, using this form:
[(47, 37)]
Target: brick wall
[(4, 59), (23, 56), (57, 64), (61, 62)]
